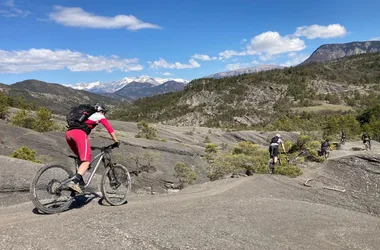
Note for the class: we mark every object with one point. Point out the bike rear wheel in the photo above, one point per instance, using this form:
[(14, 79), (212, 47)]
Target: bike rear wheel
[(271, 166), (327, 154), (47, 190), (116, 184)]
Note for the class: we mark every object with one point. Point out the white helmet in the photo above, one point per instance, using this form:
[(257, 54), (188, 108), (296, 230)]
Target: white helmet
[(101, 107), (278, 135)]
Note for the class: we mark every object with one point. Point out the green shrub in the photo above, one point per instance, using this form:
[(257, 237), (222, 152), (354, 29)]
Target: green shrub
[(288, 170), (43, 122), (244, 147), (146, 131), (211, 148), (184, 174), (207, 139), (22, 119), (25, 153), (220, 169), (4, 107)]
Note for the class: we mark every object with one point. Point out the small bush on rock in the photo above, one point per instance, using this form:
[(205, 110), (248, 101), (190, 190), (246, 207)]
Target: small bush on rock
[(184, 174), (25, 153)]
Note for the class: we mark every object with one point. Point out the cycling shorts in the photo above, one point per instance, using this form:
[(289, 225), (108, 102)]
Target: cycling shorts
[(273, 150), (79, 144)]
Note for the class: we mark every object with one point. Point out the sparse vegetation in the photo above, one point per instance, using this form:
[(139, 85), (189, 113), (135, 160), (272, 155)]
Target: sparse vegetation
[(25, 153), (247, 158), (207, 139), (146, 131), (42, 123), (295, 87), (211, 148), (23, 119), (4, 107), (184, 174)]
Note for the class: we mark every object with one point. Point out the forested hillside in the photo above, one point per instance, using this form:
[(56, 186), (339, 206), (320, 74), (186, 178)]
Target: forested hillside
[(281, 97)]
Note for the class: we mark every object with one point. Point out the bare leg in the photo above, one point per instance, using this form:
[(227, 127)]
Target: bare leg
[(83, 167)]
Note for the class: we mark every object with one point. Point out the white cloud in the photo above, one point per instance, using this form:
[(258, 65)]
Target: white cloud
[(272, 43), (255, 62), (161, 63), (77, 17), (296, 59), (45, 59), (243, 41), (235, 66), (375, 39), (292, 54), (167, 74), (230, 53), (203, 57), (12, 10), (317, 31)]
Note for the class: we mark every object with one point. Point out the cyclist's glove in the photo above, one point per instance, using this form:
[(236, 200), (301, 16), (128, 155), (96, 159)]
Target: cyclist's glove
[(116, 144)]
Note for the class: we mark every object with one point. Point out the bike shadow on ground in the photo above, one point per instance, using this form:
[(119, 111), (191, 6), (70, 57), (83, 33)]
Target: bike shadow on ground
[(102, 202), (80, 201)]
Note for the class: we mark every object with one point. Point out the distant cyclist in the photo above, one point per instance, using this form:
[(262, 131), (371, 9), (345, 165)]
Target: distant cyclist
[(274, 147), (324, 146), (343, 137), (366, 139)]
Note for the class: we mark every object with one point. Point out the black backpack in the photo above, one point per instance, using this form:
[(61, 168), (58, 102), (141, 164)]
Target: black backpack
[(274, 139), (78, 115)]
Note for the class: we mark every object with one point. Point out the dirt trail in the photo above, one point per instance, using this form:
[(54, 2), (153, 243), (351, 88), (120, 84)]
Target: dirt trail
[(257, 212), (348, 149)]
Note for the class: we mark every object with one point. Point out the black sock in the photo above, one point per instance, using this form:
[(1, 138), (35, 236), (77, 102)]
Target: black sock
[(77, 178)]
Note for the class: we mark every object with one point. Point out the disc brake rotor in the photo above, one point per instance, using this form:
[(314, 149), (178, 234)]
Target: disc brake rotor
[(54, 187)]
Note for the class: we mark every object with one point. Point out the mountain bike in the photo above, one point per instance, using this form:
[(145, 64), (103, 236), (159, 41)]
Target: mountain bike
[(342, 140), (50, 194), (324, 153), (271, 163), (367, 145)]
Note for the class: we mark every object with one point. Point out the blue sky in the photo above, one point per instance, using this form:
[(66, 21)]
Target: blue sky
[(71, 41)]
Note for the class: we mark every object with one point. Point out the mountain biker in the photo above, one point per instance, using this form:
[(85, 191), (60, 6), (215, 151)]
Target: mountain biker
[(79, 142), (273, 147), (324, 146), (343, 137), (366, 138)]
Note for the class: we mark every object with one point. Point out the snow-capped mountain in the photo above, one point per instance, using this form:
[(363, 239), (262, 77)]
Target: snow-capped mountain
[(113, 86), (245, 71)]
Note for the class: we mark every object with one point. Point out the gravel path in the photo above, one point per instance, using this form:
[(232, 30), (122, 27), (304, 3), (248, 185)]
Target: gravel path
[(258, 212)]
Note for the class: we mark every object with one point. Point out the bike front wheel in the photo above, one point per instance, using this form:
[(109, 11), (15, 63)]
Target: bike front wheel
[(48, 191), (116, 184)]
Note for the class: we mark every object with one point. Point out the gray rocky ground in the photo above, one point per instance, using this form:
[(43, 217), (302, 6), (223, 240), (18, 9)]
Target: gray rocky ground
[(334, 205)]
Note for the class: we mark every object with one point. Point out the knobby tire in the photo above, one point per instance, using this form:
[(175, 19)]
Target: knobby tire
[(33, 189), (106, 179)]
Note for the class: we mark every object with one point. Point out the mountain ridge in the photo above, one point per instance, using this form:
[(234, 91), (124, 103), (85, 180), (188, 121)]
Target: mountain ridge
[(328, 52), (249, 70), (254, 99), (54, 96), (114, 86)]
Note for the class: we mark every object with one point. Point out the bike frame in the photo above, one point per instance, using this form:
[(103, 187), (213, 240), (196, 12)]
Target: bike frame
[(101, 157)]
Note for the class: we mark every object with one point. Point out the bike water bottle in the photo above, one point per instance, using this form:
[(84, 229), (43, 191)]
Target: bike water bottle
[(83, 117)]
